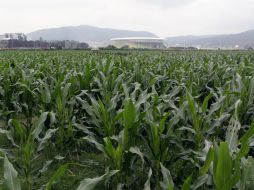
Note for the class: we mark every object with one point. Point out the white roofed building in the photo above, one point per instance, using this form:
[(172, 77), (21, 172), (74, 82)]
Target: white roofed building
[(138, 42)]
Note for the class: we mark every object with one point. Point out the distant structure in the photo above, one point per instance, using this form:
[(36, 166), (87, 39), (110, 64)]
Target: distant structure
[(19, 41), (138, 42), (13, 36), (70, 44)]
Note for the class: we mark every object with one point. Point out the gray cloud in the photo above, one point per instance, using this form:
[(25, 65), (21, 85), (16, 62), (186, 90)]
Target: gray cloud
[(163, 17)]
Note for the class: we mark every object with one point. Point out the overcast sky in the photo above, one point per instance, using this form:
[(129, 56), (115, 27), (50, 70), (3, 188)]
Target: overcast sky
[(162, 17)]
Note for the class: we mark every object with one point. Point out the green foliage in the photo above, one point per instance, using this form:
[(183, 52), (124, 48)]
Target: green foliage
[(90, 184), (59, 172), (147, 120), (10, 175)]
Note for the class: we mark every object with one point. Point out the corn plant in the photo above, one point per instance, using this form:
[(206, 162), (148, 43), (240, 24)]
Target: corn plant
[(124, 120)]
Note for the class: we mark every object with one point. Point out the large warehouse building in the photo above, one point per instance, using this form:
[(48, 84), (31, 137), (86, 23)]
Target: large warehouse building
[(138, 42)]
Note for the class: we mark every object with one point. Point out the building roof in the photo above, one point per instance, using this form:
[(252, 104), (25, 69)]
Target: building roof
[(137, 38), (6, 38)]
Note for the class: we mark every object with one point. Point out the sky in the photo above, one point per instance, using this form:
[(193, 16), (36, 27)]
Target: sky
[(162, 17)]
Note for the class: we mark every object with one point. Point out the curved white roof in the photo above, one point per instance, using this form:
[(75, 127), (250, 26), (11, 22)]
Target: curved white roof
[(136, 38)]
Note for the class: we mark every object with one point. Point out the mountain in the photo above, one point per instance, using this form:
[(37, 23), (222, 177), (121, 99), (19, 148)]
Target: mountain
[(101, 36), (85, 33), (241, 40)]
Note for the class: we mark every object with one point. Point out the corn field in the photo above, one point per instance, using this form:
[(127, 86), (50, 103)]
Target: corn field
[(126, 120)]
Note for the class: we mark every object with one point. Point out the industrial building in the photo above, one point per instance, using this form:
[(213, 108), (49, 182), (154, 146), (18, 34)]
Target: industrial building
[(19, 41), (138, 42)]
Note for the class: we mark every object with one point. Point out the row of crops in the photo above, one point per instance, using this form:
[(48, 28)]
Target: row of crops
[(126, 120)]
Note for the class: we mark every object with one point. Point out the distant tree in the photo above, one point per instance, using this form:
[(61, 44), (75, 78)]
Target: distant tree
[(125, 47), (109, 47), (83, 45)]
